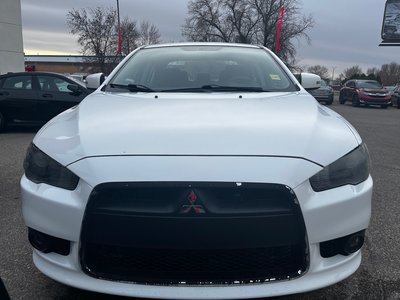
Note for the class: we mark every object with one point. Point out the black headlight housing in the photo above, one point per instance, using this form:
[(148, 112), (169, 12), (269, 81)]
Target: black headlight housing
[(353, 168), (41, 168)]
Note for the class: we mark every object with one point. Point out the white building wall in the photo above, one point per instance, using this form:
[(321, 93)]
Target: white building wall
[(11, 47)]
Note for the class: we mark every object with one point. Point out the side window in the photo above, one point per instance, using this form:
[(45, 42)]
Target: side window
[(18, 83), (350, 84), (53, 84)]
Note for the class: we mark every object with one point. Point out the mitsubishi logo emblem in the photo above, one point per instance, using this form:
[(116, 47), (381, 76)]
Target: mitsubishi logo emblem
[(191, 206)]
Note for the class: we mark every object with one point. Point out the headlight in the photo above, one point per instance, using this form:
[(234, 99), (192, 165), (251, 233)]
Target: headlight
[(353, 168), (362, 92), (40, 168)]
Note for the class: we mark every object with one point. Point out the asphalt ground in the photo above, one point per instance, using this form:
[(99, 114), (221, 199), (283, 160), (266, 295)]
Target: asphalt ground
[(377, 278)]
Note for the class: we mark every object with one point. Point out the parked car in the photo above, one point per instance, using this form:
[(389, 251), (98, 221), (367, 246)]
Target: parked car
[(396, 96), (366, 92), (323, 94), (198, 171), (36, 97), (390, 89)]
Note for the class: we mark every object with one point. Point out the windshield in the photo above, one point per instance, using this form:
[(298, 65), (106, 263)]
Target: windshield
[(199, 68), (369, 84)]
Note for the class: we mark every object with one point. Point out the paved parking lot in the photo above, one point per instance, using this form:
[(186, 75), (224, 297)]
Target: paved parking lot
[(377, 278)]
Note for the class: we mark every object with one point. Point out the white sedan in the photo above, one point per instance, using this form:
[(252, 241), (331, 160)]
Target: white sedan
[(198, 171)]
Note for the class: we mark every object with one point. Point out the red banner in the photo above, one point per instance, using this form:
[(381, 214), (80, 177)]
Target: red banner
[(278, 30)]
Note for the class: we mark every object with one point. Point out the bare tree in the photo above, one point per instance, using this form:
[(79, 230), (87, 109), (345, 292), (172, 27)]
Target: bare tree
[(148, 34), (322, 71), (96, 30), (352, 71), (373, 70), (129, 35), (390, 73), (247, 21)]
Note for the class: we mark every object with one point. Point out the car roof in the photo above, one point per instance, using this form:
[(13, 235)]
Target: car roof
[(30, 73)]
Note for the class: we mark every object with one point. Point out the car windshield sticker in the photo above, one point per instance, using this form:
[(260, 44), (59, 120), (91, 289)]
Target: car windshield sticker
[(275, 77)]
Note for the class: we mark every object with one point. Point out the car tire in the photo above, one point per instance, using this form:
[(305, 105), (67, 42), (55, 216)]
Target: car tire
[(355, 101), (398, 103), (341, 99), (329, 102), (2, 122), (384, 106)]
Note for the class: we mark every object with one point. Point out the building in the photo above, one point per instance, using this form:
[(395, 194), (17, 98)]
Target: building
[(59, 64), (68, 63), (11, 46)]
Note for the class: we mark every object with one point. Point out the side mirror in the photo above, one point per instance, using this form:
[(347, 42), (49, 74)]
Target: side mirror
[(73, 88), (95, 80), (309, 81)]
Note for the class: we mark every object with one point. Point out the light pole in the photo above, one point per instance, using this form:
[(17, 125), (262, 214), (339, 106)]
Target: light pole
[(119, 30), (333, 72)]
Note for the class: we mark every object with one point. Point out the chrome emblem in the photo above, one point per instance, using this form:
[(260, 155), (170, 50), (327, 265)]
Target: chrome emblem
[(192, 207)]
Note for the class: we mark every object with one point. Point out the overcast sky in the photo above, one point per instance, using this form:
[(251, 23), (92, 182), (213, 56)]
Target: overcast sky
[(346, 33)]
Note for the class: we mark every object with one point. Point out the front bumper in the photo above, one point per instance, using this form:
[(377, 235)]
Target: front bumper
[(324, 97), (365, 99), (327, 215)]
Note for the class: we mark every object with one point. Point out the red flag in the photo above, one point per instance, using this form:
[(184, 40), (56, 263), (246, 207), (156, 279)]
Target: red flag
[(278, 30)]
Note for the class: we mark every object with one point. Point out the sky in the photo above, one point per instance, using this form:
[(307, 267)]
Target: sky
[(346, 33)]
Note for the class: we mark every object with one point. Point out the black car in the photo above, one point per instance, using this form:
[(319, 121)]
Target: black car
[(323, 94), (35, 98), (396, 96)]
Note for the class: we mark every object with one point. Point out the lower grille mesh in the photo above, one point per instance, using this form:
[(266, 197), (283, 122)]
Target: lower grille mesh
[(196, 266)]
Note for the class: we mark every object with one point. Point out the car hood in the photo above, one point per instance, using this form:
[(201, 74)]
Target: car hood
[(188, 124)]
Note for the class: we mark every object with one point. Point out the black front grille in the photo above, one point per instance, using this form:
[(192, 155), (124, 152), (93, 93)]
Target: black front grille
[(243, 233)]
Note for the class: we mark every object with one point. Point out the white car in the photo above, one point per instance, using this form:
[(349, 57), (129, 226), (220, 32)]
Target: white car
[(198, 171)]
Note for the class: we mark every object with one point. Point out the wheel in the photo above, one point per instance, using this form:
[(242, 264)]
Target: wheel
[(341, 99), (398, 103), (355, 101), (384, 106), (2, 122), (330, 101)]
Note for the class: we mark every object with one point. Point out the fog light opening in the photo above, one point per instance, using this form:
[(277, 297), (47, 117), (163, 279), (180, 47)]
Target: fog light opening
[(38, 240), (354, 243), (346, 245), (46, 243)]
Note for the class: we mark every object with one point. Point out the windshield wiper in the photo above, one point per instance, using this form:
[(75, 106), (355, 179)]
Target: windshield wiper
[(132, 87), (222, 88), (218, 88)]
